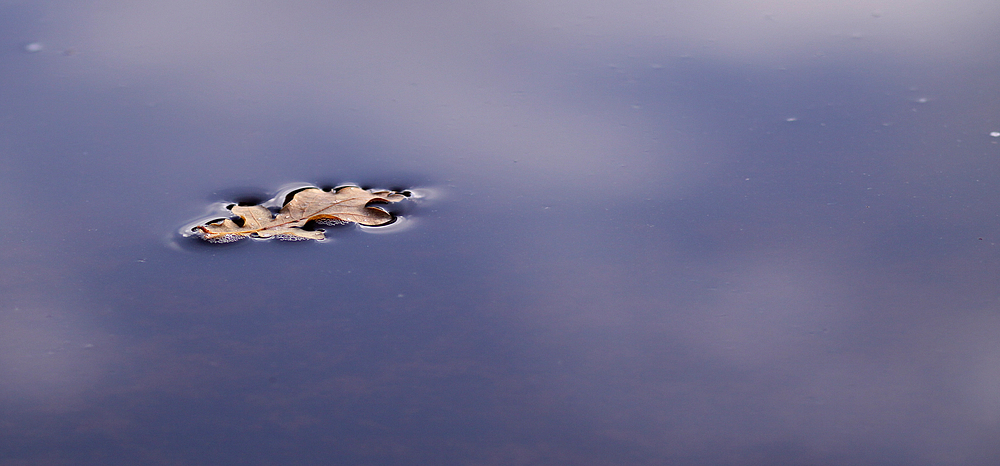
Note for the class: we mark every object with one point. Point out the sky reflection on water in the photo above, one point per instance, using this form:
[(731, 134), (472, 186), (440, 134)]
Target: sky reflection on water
[(712, 233)]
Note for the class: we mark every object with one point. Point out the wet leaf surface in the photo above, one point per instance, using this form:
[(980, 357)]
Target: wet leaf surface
[(349, 204)]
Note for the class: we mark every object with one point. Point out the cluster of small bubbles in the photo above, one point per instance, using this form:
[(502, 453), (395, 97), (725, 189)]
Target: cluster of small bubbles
[(224, 239), (289, 238), (332, 222)]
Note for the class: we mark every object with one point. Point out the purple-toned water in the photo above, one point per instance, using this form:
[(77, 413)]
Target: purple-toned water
[(683, 233)]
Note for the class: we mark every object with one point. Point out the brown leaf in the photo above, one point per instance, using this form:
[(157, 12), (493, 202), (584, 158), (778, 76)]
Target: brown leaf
[(345, 205)]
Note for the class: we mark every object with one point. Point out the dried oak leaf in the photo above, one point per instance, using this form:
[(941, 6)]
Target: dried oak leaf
[(345, 205)]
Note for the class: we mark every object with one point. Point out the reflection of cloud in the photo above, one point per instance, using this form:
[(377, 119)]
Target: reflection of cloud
[(504, 88), (452, 80), (803, 343), (769, 29), (48, 357), (976, 348), (486, 87), (769, 312)]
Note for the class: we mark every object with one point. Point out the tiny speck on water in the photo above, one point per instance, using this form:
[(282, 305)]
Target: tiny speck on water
[(34, 47)]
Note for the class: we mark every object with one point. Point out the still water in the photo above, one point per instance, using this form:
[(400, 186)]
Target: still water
[(696, 234)]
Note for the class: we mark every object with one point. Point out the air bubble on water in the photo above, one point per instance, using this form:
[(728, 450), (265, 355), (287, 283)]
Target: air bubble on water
[(995, 134), (34, 47)]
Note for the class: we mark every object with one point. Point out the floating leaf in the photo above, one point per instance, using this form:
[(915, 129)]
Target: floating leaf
[(349, 204)]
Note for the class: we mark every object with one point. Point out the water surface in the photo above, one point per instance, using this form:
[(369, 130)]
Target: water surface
[(697, 236)]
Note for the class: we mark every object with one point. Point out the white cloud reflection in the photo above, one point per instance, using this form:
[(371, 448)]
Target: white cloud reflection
[(482, 85), (766, 30), (50, 360)]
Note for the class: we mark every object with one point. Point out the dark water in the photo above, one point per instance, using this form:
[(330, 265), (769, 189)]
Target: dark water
[(649, 236)]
